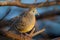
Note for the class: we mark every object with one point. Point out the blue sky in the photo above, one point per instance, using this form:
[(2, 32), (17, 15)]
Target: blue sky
[(32, 1)]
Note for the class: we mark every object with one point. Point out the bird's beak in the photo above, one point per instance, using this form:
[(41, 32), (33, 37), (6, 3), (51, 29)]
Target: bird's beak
[(37, 13)]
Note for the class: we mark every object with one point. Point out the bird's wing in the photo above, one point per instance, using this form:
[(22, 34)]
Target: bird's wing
[(24, 20), (3, 23), (14, 20)]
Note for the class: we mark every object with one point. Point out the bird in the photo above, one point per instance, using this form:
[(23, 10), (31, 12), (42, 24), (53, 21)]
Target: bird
[(25, 21)]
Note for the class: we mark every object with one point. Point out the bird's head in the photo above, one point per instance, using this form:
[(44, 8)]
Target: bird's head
[(33, 11)]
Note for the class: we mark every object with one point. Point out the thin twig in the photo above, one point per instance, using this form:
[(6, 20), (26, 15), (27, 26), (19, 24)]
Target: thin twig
[(9, 9), (38, 32)]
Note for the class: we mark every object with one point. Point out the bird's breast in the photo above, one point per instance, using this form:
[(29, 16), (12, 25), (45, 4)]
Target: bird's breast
[(27, 24)]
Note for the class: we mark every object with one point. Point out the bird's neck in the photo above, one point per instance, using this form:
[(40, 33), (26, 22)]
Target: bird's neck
[(32, 13)]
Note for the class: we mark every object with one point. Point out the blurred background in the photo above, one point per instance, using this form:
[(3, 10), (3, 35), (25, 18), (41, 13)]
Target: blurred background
[(51, 23)]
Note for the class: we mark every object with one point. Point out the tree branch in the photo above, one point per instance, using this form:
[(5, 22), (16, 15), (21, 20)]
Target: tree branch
[(18, 1), (12, 35), (19, 4)]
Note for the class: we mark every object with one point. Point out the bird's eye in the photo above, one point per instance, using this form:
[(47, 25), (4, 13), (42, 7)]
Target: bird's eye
[(33, 11)]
